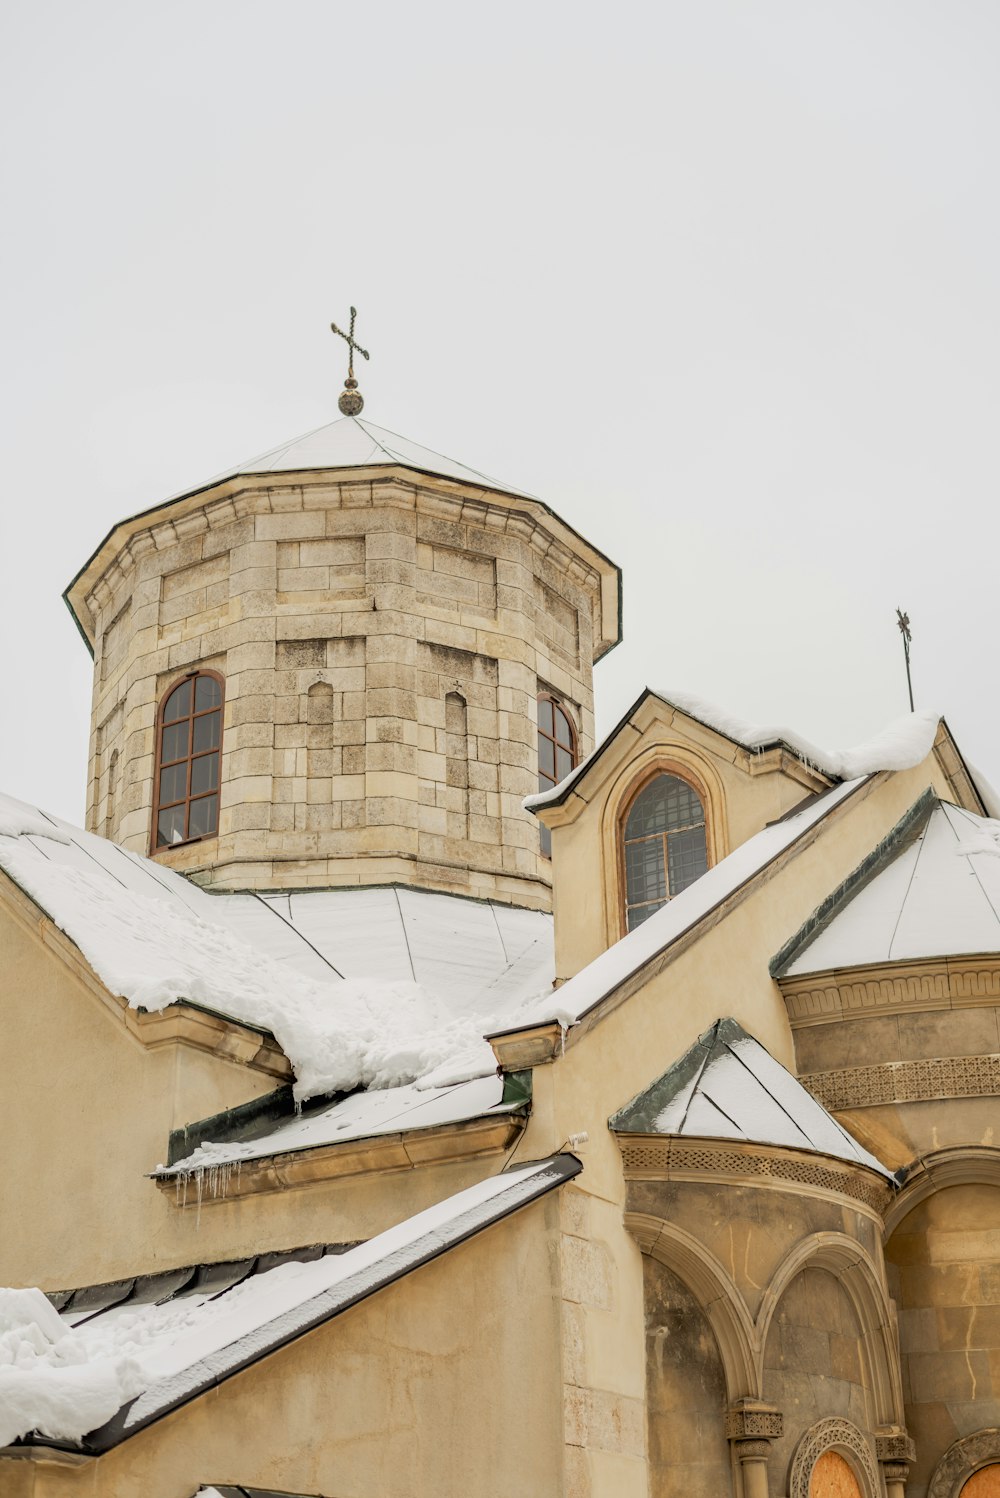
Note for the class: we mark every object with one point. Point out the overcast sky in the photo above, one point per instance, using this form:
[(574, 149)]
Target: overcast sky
[(718, 281)]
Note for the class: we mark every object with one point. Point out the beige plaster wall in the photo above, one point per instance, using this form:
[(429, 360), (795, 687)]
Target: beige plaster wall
[(342, 615), (608, 1061), (445, 1385), (944, 1267), (85, 1111)]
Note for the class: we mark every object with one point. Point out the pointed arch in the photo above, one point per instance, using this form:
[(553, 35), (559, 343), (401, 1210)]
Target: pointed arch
[(720, 1300), (856, 1271), (963, 1165)]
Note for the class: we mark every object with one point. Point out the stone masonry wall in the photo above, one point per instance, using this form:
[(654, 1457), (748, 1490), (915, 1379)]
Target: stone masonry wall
[(382, 644)]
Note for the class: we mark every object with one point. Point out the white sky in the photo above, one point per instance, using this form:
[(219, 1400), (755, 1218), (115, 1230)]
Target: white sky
[(716, 280)]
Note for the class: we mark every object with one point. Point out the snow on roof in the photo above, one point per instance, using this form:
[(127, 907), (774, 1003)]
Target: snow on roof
[(361, 988), (940, 896), (901, 745), (353, 443), (727, 1086), (601, 977), (117, 1371), (363, 1115)]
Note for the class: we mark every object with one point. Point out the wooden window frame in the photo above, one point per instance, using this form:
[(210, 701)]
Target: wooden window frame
[(158, 765), (677, 772), (574, 750)]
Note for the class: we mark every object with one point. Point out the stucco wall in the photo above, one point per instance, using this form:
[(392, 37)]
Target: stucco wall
[(445, 1385)]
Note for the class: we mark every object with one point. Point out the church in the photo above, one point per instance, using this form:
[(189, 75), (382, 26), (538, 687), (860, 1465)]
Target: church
[(407, 1095)]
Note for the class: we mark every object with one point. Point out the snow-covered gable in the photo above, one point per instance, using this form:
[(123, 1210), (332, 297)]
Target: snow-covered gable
[(936, 895), (901, 745), (361, 988), (583, 992), (94, 1383), (727, 1086)]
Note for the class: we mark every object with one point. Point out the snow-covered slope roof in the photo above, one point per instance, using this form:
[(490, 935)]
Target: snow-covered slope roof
[(363, 1115), (110, 1375), (940, 896), (354, 443), (370, 988), (587, 988), (727, 1086), (899, 746)]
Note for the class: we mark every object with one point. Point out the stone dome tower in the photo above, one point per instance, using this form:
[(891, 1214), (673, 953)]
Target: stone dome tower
[(377, 623)]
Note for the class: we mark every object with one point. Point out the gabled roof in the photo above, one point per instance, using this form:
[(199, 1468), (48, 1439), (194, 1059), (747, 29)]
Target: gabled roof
[(727, 1086), (582, 994), (936, 894), (133, 1370), (899, 746)]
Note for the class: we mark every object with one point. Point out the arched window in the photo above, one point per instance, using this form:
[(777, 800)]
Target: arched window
[(663, 845), (556, 751), (188, 753)]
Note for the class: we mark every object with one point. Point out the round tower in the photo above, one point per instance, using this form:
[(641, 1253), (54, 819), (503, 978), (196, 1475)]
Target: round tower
[(365, 629)]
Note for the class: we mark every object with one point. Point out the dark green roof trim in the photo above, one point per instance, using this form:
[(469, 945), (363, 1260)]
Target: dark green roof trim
[(907, 829), (640, 1115), (241, 1122), (248, 1121)]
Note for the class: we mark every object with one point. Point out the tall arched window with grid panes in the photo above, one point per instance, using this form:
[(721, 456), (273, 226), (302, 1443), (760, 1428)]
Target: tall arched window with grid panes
[(556, 751), (664, 845), (188, 760)]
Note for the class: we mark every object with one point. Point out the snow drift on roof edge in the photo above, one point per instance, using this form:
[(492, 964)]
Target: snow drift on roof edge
[(901, 745), (167, 941)]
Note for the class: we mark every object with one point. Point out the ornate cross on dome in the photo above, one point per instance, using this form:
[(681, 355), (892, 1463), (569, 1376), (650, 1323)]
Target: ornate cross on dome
[(351, 401)]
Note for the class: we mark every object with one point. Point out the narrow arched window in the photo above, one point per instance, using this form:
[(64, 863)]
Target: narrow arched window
[(664, 845), (188, 754), (556, 751)]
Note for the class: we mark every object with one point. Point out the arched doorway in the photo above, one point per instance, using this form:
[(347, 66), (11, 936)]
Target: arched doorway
[(832, 1477), (983, 1484)]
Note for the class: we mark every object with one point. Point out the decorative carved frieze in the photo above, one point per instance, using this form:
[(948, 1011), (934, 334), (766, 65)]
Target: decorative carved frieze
[(906, 1081), (895, 1446), (832, 1435), (749, 1420), (649, 1155)]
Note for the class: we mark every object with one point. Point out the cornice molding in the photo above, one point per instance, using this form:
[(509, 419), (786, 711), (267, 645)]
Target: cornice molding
[(913, 986), (179, 1023), (735, 1163), (445, 1145)]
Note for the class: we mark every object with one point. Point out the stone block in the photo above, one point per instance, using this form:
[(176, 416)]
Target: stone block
[(290, 525)]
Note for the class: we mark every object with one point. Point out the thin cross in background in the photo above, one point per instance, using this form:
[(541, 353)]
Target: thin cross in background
[(903, 620)]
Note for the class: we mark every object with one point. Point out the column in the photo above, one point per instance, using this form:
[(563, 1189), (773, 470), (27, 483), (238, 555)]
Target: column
[(751, 1426), (895, 1451)]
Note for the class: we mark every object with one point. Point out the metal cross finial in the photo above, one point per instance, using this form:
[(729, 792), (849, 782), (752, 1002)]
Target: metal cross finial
[(351, 401), (903, 621)]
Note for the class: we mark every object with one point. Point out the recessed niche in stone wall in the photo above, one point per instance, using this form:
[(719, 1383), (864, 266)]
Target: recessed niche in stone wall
[(450, 578)]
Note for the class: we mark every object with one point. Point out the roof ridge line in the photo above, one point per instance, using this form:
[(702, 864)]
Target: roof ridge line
[(909, 827)]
